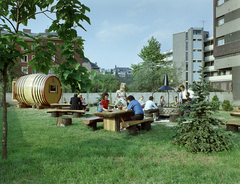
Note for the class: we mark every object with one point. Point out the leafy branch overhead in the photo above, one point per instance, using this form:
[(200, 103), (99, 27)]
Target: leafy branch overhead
[(68, 15)]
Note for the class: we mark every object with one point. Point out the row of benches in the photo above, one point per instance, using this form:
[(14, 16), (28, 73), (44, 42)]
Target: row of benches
[(131, 126)]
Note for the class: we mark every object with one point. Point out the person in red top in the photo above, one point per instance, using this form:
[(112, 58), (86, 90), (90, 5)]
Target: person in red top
[(105, 101)]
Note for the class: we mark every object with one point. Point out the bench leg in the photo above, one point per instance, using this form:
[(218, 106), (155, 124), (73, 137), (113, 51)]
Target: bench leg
[(132, 130), (76, 115), (232, 128), (93, 126), (146, 126), (55, 114)]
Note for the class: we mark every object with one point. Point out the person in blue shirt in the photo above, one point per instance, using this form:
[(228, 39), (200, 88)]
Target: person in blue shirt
[(136, 107)]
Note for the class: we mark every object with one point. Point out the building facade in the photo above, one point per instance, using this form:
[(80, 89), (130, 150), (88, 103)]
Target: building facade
[(226, 16), (193, 49), (188, 49), (24, 61)]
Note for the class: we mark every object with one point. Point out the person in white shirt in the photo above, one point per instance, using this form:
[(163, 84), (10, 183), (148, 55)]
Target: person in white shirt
[(185, 94), (149, 105)]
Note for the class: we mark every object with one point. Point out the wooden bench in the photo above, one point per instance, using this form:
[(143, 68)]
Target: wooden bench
[(59, 112), (131, 126), (235, 114), (92, 122), (233, 126)]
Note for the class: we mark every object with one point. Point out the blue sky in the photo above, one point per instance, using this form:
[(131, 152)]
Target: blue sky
[(120, 28)]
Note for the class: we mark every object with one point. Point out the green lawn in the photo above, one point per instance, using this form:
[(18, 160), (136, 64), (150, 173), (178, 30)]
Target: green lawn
[(41, 152)]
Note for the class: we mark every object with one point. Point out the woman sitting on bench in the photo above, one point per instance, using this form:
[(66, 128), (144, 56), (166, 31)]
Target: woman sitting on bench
[(136, 107)]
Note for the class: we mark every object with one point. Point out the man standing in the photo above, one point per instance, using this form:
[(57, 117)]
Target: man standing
[(149, 107), (185, 94)]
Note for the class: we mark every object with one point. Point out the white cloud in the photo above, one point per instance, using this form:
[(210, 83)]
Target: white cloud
[(112, 33)]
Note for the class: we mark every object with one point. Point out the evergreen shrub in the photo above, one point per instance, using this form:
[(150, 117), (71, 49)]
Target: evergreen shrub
[(215, 102), (227, 106), (195, 130)]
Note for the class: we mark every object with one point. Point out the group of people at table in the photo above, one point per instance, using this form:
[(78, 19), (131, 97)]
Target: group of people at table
[(128, 103)]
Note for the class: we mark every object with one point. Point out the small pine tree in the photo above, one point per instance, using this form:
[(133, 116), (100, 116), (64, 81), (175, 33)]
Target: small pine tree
[(227, 106), (216, 103), (195, 130)]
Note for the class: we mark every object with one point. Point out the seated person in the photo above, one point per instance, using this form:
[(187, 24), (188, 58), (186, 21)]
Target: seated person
[(175, 102), (141, 101), (105, 101), (186, 112), (81, 98), (149, 107), (162, 102), (136, 107), (76, 103)]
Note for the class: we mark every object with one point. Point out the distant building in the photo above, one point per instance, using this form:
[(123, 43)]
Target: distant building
[(193, 49), (24, 61), (122, 71), (90, 66), (226, 26), (169, 57)]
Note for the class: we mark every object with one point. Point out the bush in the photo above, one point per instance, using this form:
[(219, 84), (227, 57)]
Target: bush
[(215, 102), (227, 106)]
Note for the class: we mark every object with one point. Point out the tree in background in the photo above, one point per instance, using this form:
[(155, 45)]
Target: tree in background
[(195, 131), (69, 14), (149, 75)]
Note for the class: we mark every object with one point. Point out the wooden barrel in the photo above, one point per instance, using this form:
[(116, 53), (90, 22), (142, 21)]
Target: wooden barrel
[(38, 88)]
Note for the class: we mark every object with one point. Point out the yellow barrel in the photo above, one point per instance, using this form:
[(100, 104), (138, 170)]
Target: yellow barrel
[(38, 88)]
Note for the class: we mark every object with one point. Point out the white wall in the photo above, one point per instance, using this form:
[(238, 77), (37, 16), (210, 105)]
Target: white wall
[(92, 97)]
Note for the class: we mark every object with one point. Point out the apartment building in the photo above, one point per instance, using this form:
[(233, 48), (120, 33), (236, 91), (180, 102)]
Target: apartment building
[(220, 79), (188, 52), (24, 61), (193, 49), (226, 16)]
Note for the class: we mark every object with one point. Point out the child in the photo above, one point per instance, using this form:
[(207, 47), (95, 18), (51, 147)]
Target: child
[(105, 101)]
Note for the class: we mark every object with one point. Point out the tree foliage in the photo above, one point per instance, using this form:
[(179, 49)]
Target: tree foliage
[(69, 13), (195, 131), (149, 74)]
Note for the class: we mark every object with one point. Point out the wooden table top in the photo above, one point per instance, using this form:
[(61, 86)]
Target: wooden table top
[(235, 114), (112, 114), (63, 105)]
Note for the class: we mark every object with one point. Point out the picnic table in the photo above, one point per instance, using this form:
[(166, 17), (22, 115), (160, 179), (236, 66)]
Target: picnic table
[(112, 119), (60, 106)]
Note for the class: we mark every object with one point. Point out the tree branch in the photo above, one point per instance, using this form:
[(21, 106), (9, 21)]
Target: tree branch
[(36, 14), (9, 22)]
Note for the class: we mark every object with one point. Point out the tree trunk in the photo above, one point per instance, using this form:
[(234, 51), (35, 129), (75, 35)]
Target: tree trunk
[(5, 125)]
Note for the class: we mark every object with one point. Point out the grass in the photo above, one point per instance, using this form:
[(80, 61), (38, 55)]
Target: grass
[(41, 152)]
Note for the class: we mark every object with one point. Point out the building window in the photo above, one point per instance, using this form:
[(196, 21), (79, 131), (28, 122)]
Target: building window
[(197, 32), (25, 59), (199, 39), (186, 45), (33, 56), (33, 47), (186, 35), (34, 71), (220, 41), (199, 50), (186, 56), (186, 76), (199, 61), (186, 66), (25, 70), (220, 2), (220, 21)]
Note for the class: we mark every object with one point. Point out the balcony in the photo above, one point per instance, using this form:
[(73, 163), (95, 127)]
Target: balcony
[(208, 48), (219, 78), (209, 58), (209, 68)]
